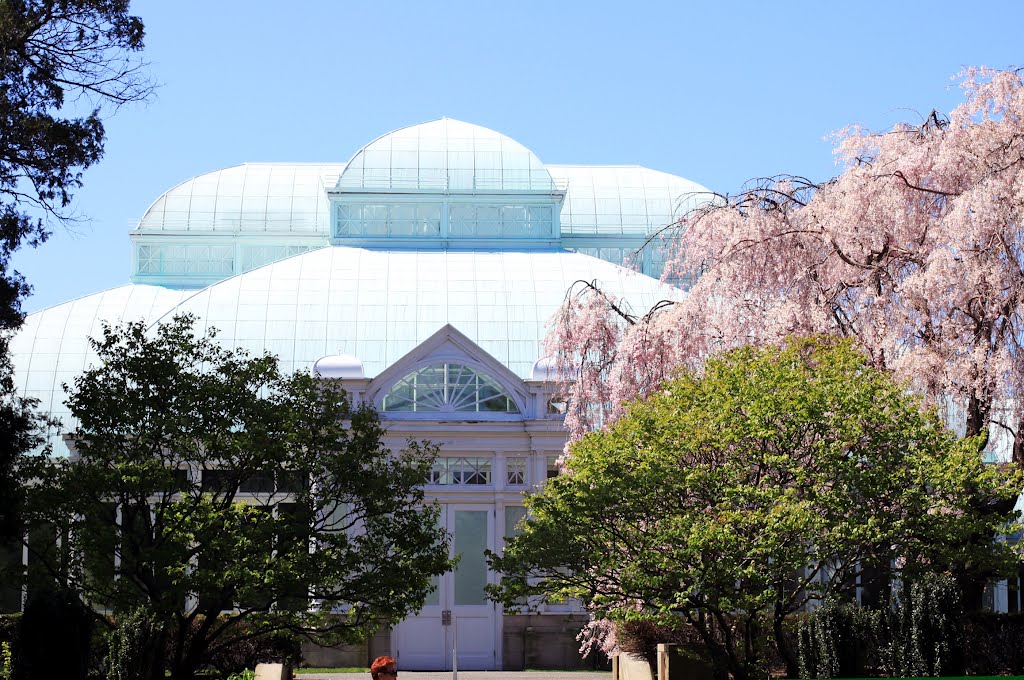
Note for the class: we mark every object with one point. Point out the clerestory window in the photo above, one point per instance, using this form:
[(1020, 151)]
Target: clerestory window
[(445, 220), (460, 471), (448, 388)]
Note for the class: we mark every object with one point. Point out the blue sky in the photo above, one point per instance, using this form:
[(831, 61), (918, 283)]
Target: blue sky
[(715, 92)]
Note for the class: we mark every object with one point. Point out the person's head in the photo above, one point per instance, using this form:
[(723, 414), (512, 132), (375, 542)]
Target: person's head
[(384, 668)]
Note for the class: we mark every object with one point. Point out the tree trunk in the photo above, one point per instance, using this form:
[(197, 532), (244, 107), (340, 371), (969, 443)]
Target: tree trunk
[(875, 586), (788, 658), (190, 647), (977, 419), (186, 667), (720, 664), (1018, 443), (972, 589), (737, 668)]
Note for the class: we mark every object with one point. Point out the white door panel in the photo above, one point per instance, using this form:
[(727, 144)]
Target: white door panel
[(458, 614)]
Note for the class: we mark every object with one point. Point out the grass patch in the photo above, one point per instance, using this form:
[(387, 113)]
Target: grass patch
[(301, 671)]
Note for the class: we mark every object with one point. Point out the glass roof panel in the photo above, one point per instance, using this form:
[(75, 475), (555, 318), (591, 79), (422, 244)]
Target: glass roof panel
[(52, 347), (627, 200), (376, 305), (236, 198), (445, 155)]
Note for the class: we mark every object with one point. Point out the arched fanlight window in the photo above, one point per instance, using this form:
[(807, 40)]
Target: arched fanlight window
[(448, 387)]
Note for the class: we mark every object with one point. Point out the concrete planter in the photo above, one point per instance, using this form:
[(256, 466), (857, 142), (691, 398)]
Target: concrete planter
[(673, 664)]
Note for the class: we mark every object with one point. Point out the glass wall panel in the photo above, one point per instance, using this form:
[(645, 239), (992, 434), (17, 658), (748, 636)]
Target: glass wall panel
[(10, 577), (258, 483), (397, 220), (513, 515), (460, 471), (257, 256), (215, 260), (295, 521), (425, 220), (470, 542), (515, 470), (219, 481), (553, 468)]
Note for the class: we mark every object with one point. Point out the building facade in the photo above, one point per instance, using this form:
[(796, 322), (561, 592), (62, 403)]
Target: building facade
[(420, 274)]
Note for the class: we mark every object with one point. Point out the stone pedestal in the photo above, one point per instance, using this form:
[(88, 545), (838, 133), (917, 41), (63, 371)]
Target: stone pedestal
[(674, 664), (273, 671), (628, 667)]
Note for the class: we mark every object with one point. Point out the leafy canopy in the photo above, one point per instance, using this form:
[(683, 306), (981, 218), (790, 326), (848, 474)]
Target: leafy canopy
[(729, 498), (62, 63), (219, 483)]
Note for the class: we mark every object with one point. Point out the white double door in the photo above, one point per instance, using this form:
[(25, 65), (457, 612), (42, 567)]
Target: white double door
[(457, 615)]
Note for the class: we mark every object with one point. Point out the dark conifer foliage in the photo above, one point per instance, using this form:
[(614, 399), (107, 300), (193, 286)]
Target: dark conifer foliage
[(64, 65)]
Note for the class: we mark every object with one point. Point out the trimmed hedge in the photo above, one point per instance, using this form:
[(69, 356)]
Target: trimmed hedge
[(925, 633), (922, 633), (995, 643)]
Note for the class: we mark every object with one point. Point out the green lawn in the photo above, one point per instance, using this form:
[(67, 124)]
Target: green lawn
[(300, 671)]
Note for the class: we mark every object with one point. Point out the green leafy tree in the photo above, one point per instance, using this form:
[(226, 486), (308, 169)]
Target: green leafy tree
[(63, 63), (205, 480), (730, 498)]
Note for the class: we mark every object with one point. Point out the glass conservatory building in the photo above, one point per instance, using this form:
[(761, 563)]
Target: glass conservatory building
[(421, 274)]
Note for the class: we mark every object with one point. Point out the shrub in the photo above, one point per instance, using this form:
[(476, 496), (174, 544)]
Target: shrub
[(6, 660), (9, 627), (8, 644), (918, 634), (641, 638), (837, 641), (243, 653), (922, 635), (135, 648), (239, 650), (996, 642), (51, 616)]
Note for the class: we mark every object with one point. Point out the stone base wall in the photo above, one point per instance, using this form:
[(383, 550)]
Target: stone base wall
[(545, 642), (358, 655)]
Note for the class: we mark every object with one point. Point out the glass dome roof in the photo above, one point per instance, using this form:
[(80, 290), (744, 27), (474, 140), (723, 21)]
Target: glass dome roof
[(445, 155), (623, 199), (372, 304), (52, 346), (255, 197), (377, 305)]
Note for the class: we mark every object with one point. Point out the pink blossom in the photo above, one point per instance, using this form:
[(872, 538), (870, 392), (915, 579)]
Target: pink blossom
[(916, 249)]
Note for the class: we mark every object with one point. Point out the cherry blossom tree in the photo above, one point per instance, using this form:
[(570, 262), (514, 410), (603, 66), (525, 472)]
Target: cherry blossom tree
[(915, 250)]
